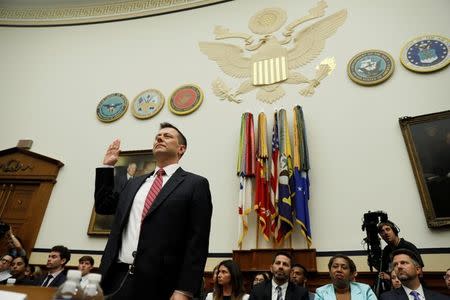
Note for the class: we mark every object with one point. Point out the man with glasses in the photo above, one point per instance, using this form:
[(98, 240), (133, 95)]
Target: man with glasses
[(5, 264)]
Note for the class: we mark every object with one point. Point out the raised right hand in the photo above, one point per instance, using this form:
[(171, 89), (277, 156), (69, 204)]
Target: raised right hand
[(112, 154)]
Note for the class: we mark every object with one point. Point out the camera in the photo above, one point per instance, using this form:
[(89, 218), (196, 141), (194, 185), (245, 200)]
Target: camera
[(370, 225), (4, 228)]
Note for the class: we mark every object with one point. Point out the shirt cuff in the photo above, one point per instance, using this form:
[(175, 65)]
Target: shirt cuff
[(187, 294)]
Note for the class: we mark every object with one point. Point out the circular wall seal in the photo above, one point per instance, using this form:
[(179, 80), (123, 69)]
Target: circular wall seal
[(185, 99), (426, 53), (370, 67), (147, 104), (112, 107), (267, 20)]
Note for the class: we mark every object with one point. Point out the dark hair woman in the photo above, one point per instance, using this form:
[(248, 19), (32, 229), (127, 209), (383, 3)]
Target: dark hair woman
[(229, 283)]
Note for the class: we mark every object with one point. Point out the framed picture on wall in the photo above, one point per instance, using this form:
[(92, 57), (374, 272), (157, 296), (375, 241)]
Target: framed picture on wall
[(427, 139), (130, 164)]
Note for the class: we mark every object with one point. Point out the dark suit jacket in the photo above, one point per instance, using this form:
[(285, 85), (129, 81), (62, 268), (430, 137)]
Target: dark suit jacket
[(174, 237), (263, 291), (400, 294), (57, 281)]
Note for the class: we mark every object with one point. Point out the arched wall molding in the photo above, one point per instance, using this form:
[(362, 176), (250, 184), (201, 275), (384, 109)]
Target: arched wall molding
[(11, 15)]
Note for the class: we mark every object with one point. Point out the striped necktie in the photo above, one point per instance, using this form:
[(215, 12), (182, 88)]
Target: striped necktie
[(153, 192), (415, 294), (279, 295)]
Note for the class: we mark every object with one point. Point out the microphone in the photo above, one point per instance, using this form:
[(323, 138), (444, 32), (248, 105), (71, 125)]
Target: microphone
[(130, 272)]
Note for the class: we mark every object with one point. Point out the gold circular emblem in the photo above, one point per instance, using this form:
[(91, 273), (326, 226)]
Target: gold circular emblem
[(267, 20)]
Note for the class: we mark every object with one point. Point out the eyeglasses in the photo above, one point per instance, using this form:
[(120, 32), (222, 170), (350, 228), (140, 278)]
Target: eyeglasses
[(446, 276), (4, 260)]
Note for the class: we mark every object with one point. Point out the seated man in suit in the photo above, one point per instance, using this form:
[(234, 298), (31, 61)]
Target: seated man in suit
[(56, 261), (279, 288), (18, 267), (5, 265), (407, 267), (85, 265)]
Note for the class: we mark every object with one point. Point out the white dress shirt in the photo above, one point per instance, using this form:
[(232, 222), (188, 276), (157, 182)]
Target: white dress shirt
[(283, 290), (130, 234), (84, 281), (418, 290)]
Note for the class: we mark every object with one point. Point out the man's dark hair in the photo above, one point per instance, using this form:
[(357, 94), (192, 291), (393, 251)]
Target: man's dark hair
[(350, 262), (87, 258), (390, 224), (284, 254), (407, 252), (181, 138), (63, 252), (305, 272)]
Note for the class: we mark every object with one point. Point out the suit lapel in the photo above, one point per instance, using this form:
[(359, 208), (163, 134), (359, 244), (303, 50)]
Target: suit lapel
[(167, 189), (402, 294), (289, 292), (268, 290)]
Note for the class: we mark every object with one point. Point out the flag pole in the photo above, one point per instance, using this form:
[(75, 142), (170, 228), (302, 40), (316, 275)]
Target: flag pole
[(257, 231)]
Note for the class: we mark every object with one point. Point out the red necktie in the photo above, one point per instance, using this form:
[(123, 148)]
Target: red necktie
[(154, 191)]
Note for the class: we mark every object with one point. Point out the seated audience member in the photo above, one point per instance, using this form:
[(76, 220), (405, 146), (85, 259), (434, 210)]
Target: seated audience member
[(15, 247), (18, 267), (395, 282), (29, 271), (85, 265), (299, 276), (214, 278), (279, 287), (407, 267), (5, 265), (229, 283), (447, 278), (260, 277), (388, 231), (342, 270), (56, 262)]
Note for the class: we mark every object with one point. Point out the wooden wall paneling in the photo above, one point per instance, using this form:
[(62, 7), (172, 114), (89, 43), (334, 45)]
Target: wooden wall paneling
[(26, 183)]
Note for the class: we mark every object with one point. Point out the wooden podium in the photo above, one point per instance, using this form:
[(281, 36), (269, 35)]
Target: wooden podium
[(32, 292)]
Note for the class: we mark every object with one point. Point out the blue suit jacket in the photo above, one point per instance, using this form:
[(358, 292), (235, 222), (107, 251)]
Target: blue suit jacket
[(400, 294), (359, 291)]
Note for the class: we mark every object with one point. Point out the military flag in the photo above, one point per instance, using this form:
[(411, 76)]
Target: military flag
[(285, 207), (245, 170), (274, 177), (262, 196), (300, 182)]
